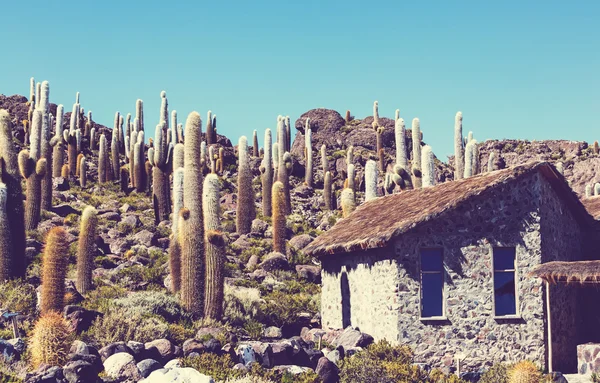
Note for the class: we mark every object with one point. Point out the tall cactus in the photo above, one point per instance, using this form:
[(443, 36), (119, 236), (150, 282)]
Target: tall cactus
[(371, 180), (114, 147), (139, 170), (348, 202), (32, 90), (213, 162), (288, 134), (6, 258), (54, 271), (469, 156), (82, 172), (376, 112), (86, 250), (327, 192), (160, 178), (285, 169), (428, 166), (324, 159), (192, 223), (266, 169), (588, 190), (214, 249), (491, 166), (255, 144), (174, 132), (279, 214), (397, 115), (45, 147), (209, 129), (459, 150), (416, 142), (245, 207), (275, 161), (58, 152), (400, 135), (103, 160), (174, 243), (221, 161), (9, 175), (33, 168), (139, 114), (308, 155), (351, 176), (476, 164)]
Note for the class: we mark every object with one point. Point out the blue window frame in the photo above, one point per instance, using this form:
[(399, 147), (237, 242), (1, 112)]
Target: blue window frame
[(505, 297), (432, 283)]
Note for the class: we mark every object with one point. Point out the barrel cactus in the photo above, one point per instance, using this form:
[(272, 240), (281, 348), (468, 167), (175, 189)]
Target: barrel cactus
[(524, 372), (50, 340)]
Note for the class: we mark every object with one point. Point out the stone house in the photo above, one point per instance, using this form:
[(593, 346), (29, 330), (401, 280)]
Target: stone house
[(448, 270)]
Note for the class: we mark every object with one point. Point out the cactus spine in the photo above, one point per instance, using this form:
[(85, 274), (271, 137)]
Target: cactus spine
[(428, 166), (86, 249), (309, 155), (370, 180), (192, 224), (174, 244), (266, 169), (279, 220), (255, 144), (416, 165), (214, 249), (459, 150), (9, 175), (245, 207), (327, 195), (348, 202), (54, 270), (50, 341)]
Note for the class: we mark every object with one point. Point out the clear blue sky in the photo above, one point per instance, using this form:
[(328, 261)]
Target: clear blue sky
[(516, 69)]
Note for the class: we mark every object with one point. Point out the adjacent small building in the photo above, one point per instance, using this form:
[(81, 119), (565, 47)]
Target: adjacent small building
[(448, 270)]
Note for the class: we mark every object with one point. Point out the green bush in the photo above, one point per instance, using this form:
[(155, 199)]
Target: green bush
[(280, 308), (151, 303), (17, 296), (218, 367), (498, 373), (114, 327), (254, 329), (100, 298)]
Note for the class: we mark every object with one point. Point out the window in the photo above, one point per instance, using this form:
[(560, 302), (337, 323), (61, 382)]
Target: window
[(432, 283), (505, 298)]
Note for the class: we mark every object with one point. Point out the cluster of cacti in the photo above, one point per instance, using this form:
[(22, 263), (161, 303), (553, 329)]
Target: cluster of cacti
[(86, 249), (266, 170), (245, 206), (279, 216), (50, 340), (524, 372), (308, 154), (12, 238), (54, 270), (214, 249), (191, 224), (33, 168)]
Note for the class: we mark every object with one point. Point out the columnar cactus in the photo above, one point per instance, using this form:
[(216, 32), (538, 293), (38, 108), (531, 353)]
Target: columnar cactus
[(596, 189), (428, 166), (132, 141), (174, 244), (192, 224), (124, 179), (459, 150), (54, 271), (89, 124), (308, 155), (221, 161), (139, 113), (266, 170), (280, 138), (397, 115), (64, 172), (376, 113), (416, 142), (380, 151), (139, 171), (400, 135), (324, 159), (160, 176), (82, 172), (38, 91), (469, 156), (285, 169), (102, 160), (245, 207), (402, 178), (174, 132), (348, 202), (327, 195), (86, 249), (209, 129), (93, 139), (32, 90), (46, 148), (492, 159), (6, 258), (213, 162), (596, 148), (148, 168), (348, 117), (114, 147), (476, 165), (588, 190), (214, 249), (371, 180), (275, 161), (279, 214), (178, 156), (50, 340), (58, 151), (351, 176), (255, 144), (33, 168), (350, 155)]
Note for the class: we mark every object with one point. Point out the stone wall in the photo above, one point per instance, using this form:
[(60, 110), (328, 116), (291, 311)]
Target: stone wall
[(369, 300), (588, 358), (562, 240), (521, 214)]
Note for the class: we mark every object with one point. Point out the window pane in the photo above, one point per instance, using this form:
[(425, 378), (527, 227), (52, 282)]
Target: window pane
[(432, 286), (504, 258), (431, 260), (504, 293)]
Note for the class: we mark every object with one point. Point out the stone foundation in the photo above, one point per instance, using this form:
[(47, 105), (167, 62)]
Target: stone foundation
[(588, 358)]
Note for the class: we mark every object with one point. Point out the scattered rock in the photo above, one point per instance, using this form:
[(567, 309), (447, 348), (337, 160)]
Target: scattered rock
[(352, 338), (7, 350), (327, 371), (275, 261), (299, 242), (121, 365), (80, 371), (273, 332), (213, 346), (309, 273), (147, 366), (160, 349), (246, 354), (64, 210), (177, 375), (145, 238), (79, 318), (252, 262), (114, 348), (258, 227), (192, 345)]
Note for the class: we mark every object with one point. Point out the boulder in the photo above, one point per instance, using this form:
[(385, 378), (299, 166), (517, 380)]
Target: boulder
[(114, 348), (161, 349), (147, 366), (79, 318), (252, 262), (137, 349), (213, 346), (80, 371), (299, 242), (18, 344), (327, 371), (282, 353), (177, 375), (64, 210), (264, 353), (310, 273), (7, 350), (192, 345), (122, 366), (352, 338), (93, 359), (258, 227), (275, 261), (46, 374), (273, 332), (246, 354), (145, 237)]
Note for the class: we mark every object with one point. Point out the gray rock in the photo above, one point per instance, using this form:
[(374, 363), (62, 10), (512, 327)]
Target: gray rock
[(273, 332), (121, 365), (137, 349), (110, 216), (275, 261), (18, 344), (352, 338), (213, 346), (64, 210), (131, 220), (309, 272), (192, 345), (80, 371), (246, 354), (114, 348), (258, 227), (7, 350), (252, 262), (299, 242), (327, 371), (160, 349), (264, 353), (177, 375), (147, 366), (145, 238)]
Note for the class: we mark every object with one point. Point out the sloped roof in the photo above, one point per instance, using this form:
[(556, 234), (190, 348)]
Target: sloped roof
[(375, 223), (592, 205), (569, 272)]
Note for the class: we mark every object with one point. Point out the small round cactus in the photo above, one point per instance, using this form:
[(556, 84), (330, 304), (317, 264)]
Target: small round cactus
[(50, 340), (524, 372)]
